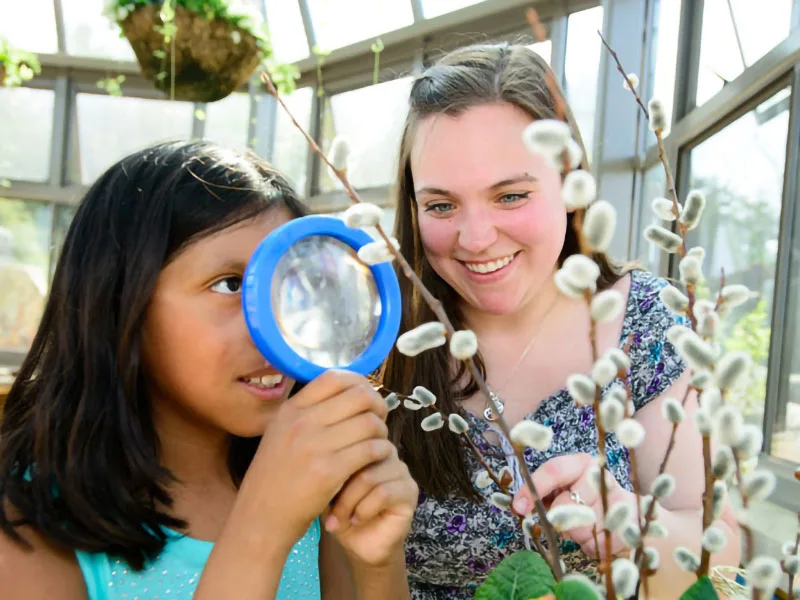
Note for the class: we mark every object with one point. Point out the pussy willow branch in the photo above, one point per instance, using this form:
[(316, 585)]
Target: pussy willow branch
[(796, 547), (625, 75), (441, 315)]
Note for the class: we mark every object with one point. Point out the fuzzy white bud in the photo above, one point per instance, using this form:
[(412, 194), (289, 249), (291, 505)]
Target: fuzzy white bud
[(612, 411), (619, 514), (791, 564), (750, 443), (652, 558), (424, 396), (339, 153), (674, 299), (729, 425), (657, 530), (645, 502), (575, 154), (593, 477), (532, 435), (582, 389), (548, 137), (723, 465), (711, 401), (569, 516), (759, 484), (672, 410), (714, 539), (606, 306), (392, 401), (701, 379), (619, 358), (691, 270), (698, 252), (604, 371), (625, 576), (693, 210), (411, 405), (686, 559), (528, 524), (734, 294), (630, 535), (702, 421), (377, 252), (630, 433), (664, 209), (463, 344), (696, 352), (582, 270), (631, 81), (363, 214), (501, 500), (457, 423), (432, 422), (424, 337), (666, 240), (764, 573), (658, 116), (703, 307), (598, 225), (483, 480), (719, 494), (579, 189), (676, 333), (708, 325), (732, 368), (663, 486), (566, 286), (788, 549)]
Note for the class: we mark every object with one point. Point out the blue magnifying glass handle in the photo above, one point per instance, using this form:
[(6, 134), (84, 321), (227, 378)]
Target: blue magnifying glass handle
[(309, 266)]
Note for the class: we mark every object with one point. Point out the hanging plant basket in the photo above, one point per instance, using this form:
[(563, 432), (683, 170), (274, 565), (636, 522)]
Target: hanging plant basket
[(213, 57)]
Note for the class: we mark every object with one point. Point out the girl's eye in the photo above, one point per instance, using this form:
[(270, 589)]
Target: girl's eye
[(512, 198), (439, 208), (229, 285)]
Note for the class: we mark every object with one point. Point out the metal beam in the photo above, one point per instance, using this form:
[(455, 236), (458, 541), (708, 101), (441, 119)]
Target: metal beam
[(416, 8), (308, 25)]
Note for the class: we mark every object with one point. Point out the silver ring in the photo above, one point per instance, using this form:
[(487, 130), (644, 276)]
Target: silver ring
[(576, 497)]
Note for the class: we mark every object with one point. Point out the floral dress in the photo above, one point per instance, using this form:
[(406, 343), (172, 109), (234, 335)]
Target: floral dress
[(454, 542)]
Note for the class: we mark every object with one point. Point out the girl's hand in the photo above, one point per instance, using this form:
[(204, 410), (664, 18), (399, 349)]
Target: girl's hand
[(372, 515), (315, 442), (564, 480)]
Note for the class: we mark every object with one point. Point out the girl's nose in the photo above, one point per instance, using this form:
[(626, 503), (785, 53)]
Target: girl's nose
[(477, 232)]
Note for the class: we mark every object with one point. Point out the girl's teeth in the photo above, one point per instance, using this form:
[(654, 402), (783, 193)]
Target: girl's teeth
[(489, 267), (267, 381)]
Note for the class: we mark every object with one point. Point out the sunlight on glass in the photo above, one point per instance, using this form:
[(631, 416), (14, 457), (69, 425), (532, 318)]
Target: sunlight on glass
[(29, 25), (581, 69), (786, 436), (434, 8), (371, 119), (110, 128), (26, 123), (227, 121), (543, 49), (290, 149), (338, 23), (286, 32), (666, 52), (740, 170), (90, 33), (722, 57), (24, 259)]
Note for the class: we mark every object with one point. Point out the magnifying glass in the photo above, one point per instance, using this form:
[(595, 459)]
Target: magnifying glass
[(310, 304)]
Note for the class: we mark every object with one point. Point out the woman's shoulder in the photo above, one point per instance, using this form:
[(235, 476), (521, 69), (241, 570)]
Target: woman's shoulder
[(39, 570)]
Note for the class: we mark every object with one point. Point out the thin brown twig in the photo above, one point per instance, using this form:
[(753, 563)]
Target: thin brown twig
[(441, 315), (705, 555), (625, 75)]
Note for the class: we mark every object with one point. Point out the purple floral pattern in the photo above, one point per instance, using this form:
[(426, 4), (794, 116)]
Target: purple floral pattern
[(454, 543)]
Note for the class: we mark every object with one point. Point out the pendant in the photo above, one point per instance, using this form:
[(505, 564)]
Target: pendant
[(488, 412)]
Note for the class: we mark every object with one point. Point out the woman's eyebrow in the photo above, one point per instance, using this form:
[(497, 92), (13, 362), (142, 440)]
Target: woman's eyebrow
[(513, 180), (432, 190)]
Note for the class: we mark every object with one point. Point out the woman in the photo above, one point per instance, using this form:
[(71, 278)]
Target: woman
[(482, 221)]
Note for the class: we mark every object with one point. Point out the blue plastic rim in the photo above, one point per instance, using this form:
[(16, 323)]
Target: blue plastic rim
[(257, 298)]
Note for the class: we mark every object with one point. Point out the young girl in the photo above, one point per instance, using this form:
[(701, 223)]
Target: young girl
[(148, 451), (483, 222)]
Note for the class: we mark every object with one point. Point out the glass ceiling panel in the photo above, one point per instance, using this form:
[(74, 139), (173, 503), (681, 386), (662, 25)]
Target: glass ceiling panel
[(90, 33), (434, 8), (339, 23), (26, 123), (227, 120), (286, 31), (29, 25)]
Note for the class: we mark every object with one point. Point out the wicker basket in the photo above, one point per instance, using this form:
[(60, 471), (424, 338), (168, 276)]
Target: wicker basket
[(209, 63)]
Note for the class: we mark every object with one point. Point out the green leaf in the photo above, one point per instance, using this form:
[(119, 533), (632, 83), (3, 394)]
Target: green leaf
[(575, 589), (200, 114), (702, 589), (521, 576)]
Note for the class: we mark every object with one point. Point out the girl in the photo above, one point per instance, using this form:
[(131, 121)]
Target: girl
[(482, 220), (148, 451)]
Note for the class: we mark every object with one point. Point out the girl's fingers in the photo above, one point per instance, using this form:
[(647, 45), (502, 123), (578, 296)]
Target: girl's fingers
[(356, 457), (360, 485), (391, 494), (352, 401), (361, 427)]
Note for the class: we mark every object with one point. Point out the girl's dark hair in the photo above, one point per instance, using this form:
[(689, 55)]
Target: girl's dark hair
[(470, 76), (79, 456)]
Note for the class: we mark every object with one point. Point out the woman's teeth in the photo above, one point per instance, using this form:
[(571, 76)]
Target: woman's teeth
[(489, 267), (266, 381)]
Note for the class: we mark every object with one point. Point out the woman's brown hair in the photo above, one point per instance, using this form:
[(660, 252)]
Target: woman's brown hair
[(467, 77)]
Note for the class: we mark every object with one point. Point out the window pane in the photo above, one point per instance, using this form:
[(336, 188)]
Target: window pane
[(581, 68), (654, 185), (89, 32), (740, 170), (29, 25), (62, 217), (543, 49), (336, 26), (434, 8), (786, 435), (227, 120), (289, 42), (110, 128), (666, 52), (26, 120), (290, 152), (371, 119), (722, 58), (24, 259)]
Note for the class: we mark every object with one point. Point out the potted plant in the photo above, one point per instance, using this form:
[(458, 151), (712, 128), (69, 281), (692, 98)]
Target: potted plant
[(16, 65)]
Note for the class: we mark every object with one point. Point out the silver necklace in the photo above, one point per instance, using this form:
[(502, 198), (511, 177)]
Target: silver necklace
[(494, 399)]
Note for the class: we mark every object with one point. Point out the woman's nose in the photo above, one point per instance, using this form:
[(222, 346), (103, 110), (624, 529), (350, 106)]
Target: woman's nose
[(477, 232)]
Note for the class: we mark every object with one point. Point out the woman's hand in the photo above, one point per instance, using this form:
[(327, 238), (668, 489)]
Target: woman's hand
[(564, 480), (372, 515)]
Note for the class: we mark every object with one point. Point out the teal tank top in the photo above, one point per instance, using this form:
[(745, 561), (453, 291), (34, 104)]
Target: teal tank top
[(175, 573)]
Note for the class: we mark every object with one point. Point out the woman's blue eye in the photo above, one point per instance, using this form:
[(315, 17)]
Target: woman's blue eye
[(229, 285), (511, 198), (440, 208)]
